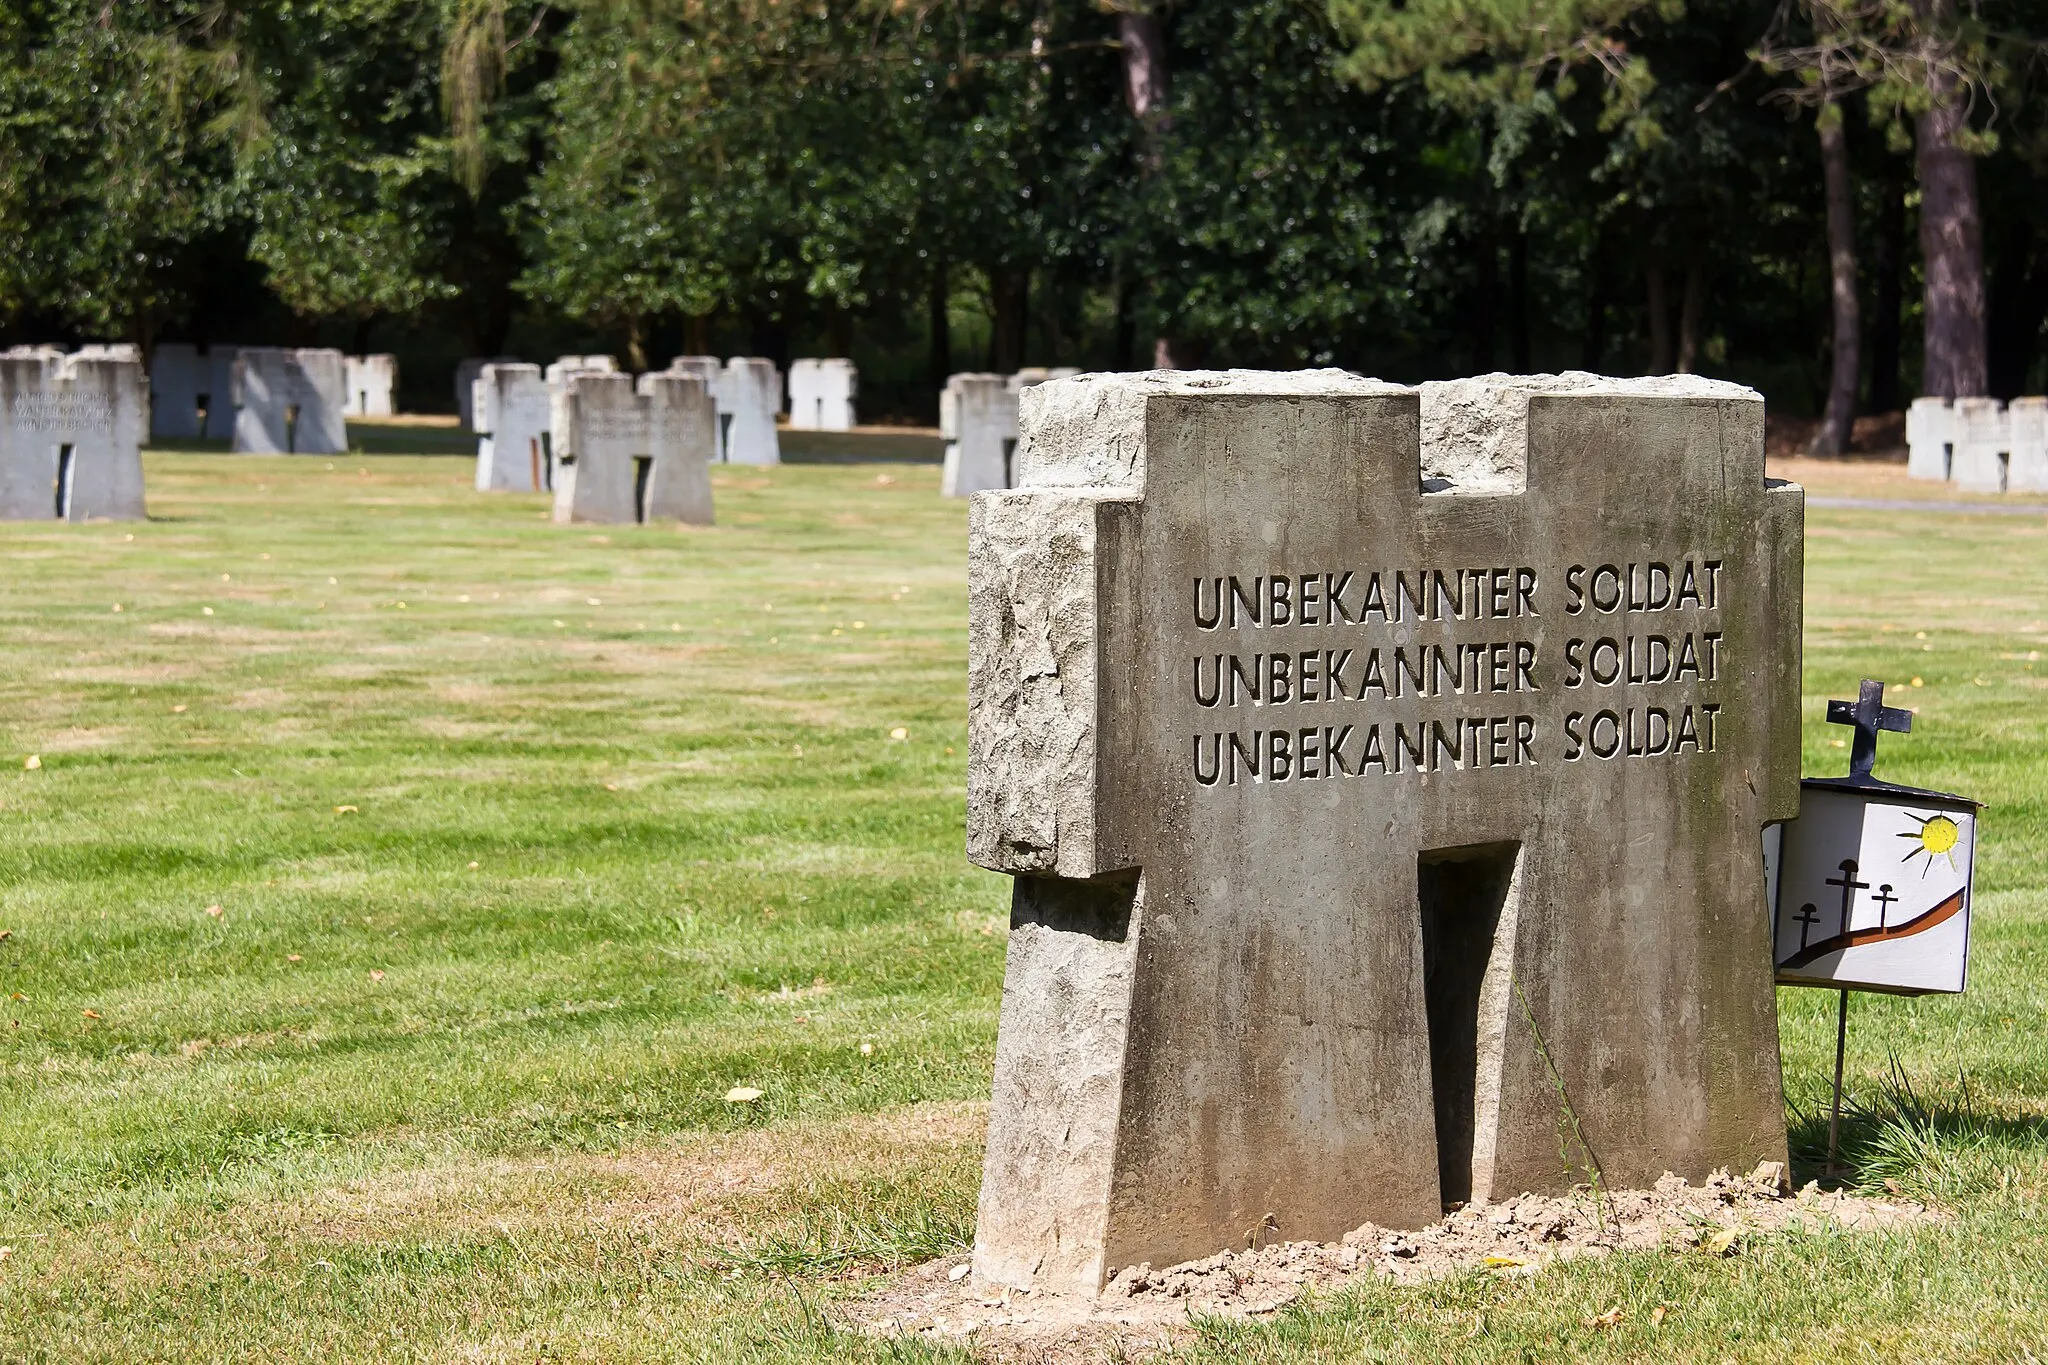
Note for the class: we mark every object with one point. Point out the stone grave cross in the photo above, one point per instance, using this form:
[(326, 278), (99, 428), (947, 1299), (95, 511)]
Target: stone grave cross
[(1383, 775)]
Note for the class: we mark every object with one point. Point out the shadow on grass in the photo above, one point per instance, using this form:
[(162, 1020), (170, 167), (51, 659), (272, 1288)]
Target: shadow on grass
[(1929, 1141)]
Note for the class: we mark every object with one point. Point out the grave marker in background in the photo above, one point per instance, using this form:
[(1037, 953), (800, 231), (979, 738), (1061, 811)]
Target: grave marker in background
[(289, 402), (978, 418), (371, 380), (747, 393), (821, 394), (190, 391), (755, 389), (511, 412), (1383, 774), (466, 371), (561, 442), (71, 431), (642, 451)]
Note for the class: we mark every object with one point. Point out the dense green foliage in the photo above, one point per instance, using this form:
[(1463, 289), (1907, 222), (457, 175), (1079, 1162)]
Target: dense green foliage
[(1414, 189)]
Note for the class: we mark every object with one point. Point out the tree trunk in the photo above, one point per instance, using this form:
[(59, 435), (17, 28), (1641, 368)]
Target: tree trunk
[(1689, 316), (1485, 290), (1838, 418), (1951, 240), (1141, 37), (1126, 354), (939, 325), (838, 330), (1888, 265), (1010, 293), (1593, 347), (1518, 299), (1049, 329), (2019, 303), (1147, 78), (636, 343), (1659, 307), (697, 334)]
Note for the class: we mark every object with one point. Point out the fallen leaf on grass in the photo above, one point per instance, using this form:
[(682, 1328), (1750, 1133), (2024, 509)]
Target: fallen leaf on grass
[(1611, 1318), (1503, 1261), (32, 762), (346, 810), (1658, 1314), (376, 974), (611, 786), (90, 1014), (6, 934), (206, 611), (215, 911), (867, 1049), (899, 733), (742, 1094), (474, 866), (175, 710), (1726, 1242), (293, 957)]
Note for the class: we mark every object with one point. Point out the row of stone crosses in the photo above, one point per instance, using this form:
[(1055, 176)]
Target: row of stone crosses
[(75, 423), (1979, 444)]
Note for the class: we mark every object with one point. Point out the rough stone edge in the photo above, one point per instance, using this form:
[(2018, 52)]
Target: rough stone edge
[(1088, 431), (1475, 432), (1057, 1093), (1031, 677)]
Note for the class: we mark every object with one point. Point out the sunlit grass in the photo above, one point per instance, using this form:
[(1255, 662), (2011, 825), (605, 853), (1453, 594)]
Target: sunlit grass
[(530, 843)]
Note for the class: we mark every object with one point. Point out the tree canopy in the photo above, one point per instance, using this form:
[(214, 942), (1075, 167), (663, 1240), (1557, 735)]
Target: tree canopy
[(1412, 188)]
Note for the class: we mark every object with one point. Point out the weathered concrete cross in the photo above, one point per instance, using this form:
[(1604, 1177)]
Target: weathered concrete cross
[(1383, 775)]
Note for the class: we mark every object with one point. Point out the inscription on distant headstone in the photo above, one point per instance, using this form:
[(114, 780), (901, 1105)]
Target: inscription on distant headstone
[(71, 430), (1383, 773), (642, 451)]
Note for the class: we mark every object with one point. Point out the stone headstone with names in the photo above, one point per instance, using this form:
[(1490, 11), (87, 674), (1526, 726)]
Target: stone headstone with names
[(290, 401), (71, 430), (372, 379), (511, 414), (1383, 773), (821, 394), (558, 374), (191, 390), (642, 450)]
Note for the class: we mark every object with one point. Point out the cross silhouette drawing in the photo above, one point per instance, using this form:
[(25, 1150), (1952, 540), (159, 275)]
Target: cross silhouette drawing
[(1885, 901), (1807, 917), (1850, 886), (1868, 714)]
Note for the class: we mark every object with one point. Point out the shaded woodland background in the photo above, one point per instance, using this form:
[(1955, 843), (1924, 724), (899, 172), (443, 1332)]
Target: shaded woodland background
[(1837, 197)]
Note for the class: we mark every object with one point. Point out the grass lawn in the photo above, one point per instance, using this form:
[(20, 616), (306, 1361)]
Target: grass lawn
[(407, 880)]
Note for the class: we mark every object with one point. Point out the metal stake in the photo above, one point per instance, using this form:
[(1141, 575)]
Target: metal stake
[(1835, 1119)]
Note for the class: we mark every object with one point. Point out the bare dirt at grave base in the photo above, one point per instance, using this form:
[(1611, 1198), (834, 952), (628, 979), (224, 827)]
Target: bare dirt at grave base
[(1144, 1310)]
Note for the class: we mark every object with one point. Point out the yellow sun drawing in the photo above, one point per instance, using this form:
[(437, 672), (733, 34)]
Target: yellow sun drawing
[(1937, 837)]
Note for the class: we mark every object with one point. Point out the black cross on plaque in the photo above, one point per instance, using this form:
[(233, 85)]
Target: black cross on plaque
[(1885, 901), (1850, 886), (1868, 714), (1808, 916)]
